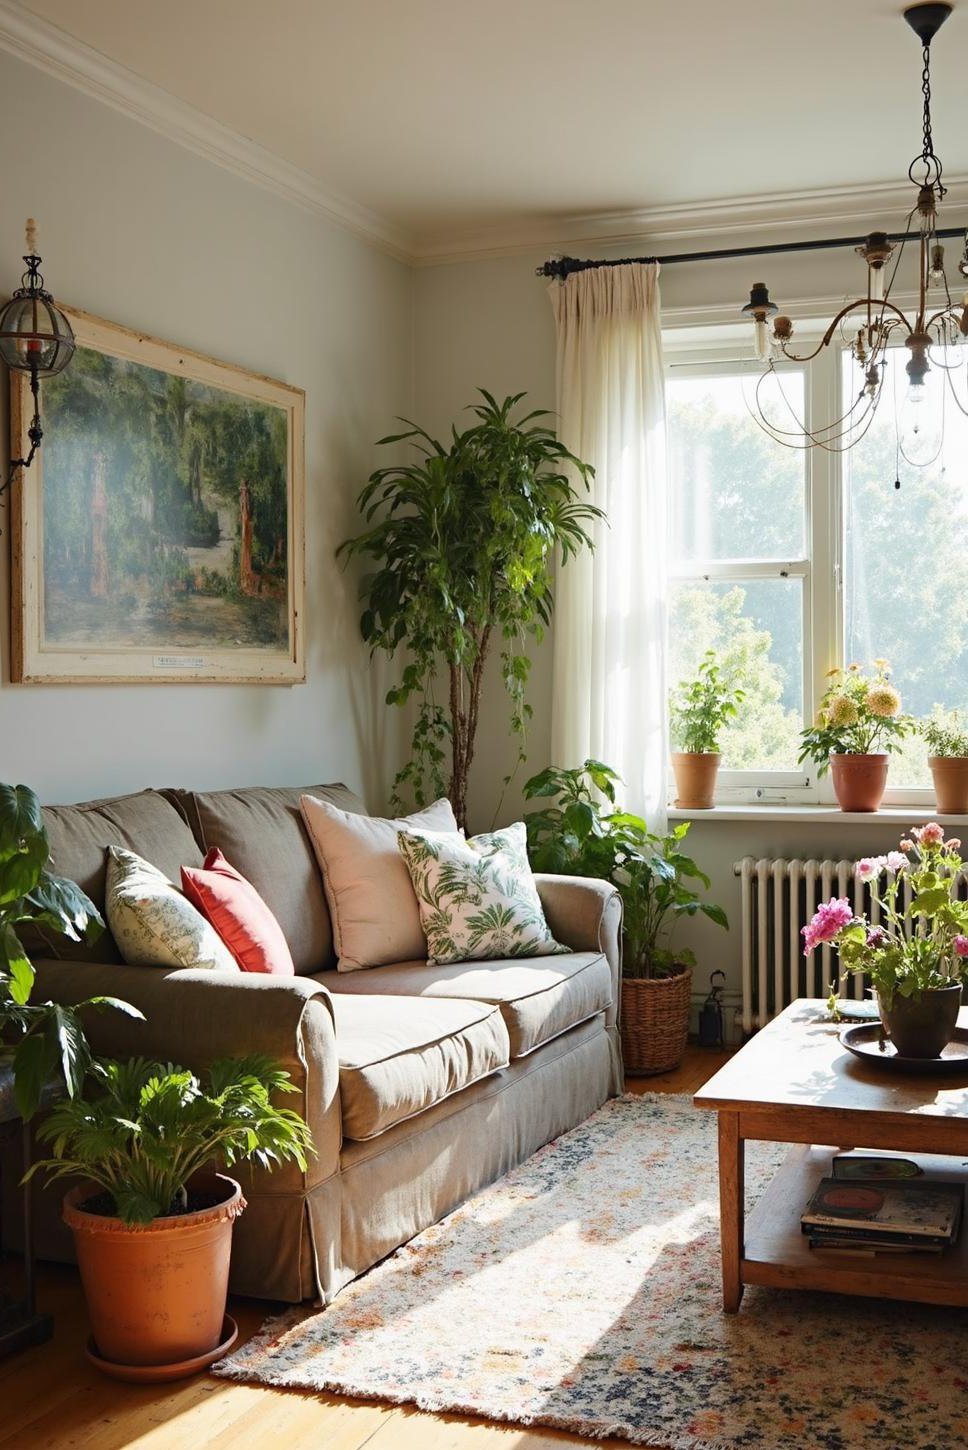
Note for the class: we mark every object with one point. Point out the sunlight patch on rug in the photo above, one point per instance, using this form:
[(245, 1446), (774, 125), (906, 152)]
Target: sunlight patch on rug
[(582, 1291)]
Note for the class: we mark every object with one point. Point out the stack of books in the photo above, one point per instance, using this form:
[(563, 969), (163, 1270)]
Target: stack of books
[(883, 1214)]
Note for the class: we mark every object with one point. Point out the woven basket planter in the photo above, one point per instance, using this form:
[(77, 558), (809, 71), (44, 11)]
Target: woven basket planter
[(655, 1022)]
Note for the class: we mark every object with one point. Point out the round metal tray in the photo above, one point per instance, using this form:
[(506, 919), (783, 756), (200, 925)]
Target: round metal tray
[(867, 1042)]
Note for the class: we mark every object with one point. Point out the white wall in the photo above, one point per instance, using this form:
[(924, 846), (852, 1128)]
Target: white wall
[(142, 232), (489, 323)]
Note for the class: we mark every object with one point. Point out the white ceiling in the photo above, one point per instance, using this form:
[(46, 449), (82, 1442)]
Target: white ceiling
[(447, 118)]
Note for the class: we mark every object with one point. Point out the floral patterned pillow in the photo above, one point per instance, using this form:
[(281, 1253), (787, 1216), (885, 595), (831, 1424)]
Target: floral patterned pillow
[(153, 923), (477, 898)]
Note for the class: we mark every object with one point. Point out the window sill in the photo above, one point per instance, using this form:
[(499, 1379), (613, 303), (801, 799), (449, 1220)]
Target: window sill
[(825, 815)]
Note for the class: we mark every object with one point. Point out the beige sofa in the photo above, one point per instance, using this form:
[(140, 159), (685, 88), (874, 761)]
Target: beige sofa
[(421, 1084)]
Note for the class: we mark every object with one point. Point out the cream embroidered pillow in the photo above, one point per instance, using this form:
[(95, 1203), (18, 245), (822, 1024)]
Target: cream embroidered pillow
[(153, 924), (477, 898), (371, 901)]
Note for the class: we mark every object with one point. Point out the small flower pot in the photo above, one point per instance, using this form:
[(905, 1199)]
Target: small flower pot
[(922, 1026), (950, 775), (859, 781), (695, 779), (156, 1292), (655, 1022)]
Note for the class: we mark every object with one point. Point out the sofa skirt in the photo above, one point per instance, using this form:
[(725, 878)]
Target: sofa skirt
[(294, 1246)]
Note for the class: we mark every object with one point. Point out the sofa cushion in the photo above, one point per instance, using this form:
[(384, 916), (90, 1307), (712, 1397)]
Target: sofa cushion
[(477, 897), (153, 922), (371, 901), (259, 829), (399, 1056), (79, 836), (239, 915), (539, 998)]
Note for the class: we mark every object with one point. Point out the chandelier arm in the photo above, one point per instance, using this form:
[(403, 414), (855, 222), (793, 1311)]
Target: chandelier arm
[(779, 435)]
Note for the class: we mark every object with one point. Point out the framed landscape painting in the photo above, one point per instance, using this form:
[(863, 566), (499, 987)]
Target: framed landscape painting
[(158, 535)]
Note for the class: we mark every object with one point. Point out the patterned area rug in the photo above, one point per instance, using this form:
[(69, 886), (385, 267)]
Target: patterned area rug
[(582, 1291)]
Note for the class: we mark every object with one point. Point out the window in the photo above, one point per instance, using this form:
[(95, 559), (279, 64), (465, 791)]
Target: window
[(788, 562), (740, 563), (905, 594)]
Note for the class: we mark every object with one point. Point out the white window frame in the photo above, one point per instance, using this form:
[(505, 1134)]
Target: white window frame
[(726, 349)]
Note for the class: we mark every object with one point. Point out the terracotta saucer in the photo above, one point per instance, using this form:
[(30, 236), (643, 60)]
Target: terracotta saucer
[(146, 1374)]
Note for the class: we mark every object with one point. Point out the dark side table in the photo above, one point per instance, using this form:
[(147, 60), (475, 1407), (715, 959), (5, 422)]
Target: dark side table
[(20, 1323)]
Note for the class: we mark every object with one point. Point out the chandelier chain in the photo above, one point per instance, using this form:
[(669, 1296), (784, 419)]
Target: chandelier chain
[(931, 162)]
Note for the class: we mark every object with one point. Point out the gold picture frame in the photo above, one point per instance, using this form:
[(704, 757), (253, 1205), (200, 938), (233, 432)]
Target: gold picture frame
[(159, 535)]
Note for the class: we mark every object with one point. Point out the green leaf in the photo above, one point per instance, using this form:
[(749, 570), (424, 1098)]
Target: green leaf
[(34, 1061), (16, 965)]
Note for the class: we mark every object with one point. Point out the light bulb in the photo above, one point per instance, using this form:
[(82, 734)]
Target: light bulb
[(876, 283), (915, 394), (761, 340)]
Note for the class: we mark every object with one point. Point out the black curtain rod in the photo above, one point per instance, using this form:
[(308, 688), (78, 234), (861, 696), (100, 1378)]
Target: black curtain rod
[(562, 267)]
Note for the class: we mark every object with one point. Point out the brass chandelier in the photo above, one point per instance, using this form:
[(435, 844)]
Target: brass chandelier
[(934, 336)]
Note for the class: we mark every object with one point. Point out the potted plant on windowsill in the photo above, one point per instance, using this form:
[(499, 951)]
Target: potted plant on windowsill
[(946, 737), (699, 710), (152, 1221), (916, 956), (859, 723), (576, 837)]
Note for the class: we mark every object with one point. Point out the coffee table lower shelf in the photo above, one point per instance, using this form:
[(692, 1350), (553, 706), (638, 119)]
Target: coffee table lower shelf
[(776, 1254)]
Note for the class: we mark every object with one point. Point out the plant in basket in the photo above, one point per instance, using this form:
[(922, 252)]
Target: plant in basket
[(916, 955), (576, 835), (152, 1220), (859, 723)]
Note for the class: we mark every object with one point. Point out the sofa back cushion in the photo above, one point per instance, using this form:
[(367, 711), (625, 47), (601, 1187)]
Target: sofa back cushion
[(259, 829), (79, 836)]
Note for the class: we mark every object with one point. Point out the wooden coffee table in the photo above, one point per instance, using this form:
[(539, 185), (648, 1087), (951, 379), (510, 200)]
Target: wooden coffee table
[(794, 1083)]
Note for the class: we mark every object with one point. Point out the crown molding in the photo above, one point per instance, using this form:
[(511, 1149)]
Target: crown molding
[(67, 59), (853, 207)]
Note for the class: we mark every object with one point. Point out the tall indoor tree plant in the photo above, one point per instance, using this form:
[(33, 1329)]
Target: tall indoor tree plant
[(463, 542)]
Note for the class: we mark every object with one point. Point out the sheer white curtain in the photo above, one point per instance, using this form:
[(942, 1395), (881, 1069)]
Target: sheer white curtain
[(609, 631)]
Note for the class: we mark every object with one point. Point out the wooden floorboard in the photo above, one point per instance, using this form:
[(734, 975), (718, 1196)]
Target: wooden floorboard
[(53, 1399)]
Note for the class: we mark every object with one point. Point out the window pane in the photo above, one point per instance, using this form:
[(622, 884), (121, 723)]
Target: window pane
[(756, 628), (735, 493), (905, 596)]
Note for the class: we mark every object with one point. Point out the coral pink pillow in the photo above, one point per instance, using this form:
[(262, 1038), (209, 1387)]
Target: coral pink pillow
[(239, 915)]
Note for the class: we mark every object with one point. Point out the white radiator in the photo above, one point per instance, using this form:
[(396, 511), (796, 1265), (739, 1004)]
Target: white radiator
[(779, 896)]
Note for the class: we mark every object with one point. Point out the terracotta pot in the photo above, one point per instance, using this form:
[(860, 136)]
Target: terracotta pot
[(655, 1021), (695, 779), (859, 781), (950, 774), (156, 1292), (922, 1026)]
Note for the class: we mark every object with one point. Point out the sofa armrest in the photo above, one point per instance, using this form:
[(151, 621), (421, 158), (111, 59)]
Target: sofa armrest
[(193, 1017), (585, 914)]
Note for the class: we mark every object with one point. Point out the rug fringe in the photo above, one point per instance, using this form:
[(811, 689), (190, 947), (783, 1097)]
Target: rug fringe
[(436, 1405)]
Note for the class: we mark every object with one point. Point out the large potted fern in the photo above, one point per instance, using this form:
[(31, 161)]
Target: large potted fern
[(152, 1221)]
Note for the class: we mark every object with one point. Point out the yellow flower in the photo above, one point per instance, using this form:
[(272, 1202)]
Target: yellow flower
[(883, 666), (884, 701), (842, 711), (832, 674)]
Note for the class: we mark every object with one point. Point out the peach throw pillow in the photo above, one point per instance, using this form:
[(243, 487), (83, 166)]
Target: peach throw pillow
[(372, 903)]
